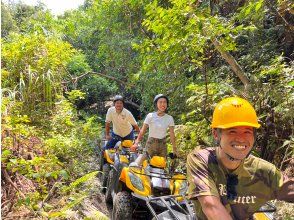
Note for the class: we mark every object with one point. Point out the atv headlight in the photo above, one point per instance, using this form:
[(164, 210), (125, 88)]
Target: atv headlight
[(136, 182), (183, 188)]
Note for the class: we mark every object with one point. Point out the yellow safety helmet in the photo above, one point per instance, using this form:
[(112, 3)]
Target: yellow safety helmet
[(233, 112), (127, 143)]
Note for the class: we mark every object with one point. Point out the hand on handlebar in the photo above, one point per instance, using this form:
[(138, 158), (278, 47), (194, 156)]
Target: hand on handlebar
[(134, 147)]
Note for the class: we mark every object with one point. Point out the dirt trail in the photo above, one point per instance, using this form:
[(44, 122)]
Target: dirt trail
[(95, 202)]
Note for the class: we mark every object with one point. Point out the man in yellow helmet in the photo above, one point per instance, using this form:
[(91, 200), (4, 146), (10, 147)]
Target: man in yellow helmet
[(226, 182)]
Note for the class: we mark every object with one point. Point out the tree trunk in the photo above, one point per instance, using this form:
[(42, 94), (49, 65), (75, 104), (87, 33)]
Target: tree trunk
[(233, 64)]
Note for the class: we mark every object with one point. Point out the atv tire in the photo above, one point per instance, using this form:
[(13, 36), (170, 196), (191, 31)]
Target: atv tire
[(101, 161), (122, 207), (104, 176), (100, 166), (109, 187), (97, 150)]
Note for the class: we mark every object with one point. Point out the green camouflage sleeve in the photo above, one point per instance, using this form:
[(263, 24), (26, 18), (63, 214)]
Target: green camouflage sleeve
[(199, 175), (276, 181), (282, 188)]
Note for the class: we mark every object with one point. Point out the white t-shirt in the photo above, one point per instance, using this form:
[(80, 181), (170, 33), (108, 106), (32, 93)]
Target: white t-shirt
[(158, 125), (121, 122)]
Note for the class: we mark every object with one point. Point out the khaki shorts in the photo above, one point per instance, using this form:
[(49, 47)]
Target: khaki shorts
[(156, 147)]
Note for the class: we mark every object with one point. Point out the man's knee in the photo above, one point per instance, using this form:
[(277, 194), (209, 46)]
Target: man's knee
[(110, 144)]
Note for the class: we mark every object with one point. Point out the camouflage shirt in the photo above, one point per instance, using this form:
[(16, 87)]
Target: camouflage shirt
[(258, 182)]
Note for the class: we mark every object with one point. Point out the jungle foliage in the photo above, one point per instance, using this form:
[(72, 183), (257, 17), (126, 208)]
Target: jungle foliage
[(59, 74)]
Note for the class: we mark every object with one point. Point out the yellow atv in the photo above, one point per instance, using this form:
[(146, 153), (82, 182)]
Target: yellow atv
[(122, 158), (150, 191), (266, 212), (107, 158)]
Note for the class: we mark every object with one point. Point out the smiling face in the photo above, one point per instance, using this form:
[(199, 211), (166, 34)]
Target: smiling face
[(236, 142), (161, 104), (118, 105)]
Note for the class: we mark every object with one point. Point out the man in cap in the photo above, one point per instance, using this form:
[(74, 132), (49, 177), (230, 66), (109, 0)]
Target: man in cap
[(122, 122)]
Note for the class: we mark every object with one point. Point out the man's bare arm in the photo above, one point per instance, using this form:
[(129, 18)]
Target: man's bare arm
[(107, 130), (137, 128), (213, 208)]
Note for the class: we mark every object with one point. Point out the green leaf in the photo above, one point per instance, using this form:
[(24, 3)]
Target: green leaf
[(64, 174), (248, 10), (6, 153), (291, 83), (286, 142), (258, 5), (54, 175), (14, 161), (27, 201), (36, 175), (48, 174)]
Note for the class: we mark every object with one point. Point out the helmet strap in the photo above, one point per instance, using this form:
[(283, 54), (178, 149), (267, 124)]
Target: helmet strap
[(230, 157), (218, 141)]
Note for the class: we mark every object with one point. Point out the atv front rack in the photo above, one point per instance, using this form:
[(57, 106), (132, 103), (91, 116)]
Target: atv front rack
[(173, 210), (167, 176)]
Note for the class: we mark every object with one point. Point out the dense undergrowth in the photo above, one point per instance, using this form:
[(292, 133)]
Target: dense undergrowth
[(44, 168)]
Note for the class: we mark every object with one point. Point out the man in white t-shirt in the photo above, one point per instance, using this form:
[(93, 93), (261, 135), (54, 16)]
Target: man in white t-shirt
[(158, 122), (122, 123)]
